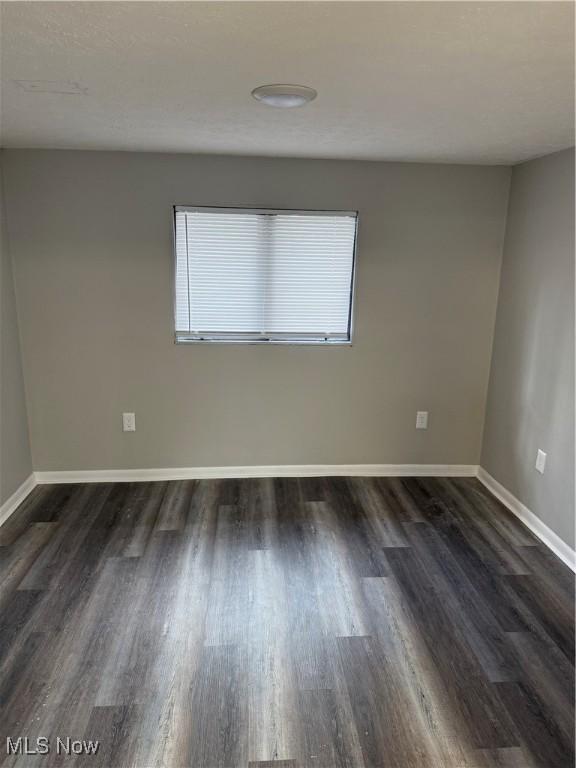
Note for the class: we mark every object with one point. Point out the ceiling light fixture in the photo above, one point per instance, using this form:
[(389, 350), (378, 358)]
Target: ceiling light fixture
[(284, 96)]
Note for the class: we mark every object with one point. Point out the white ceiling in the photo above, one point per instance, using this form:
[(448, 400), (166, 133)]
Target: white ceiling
[(483, 82)]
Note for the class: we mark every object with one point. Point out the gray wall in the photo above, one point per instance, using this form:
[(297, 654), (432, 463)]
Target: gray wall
[(91, 240), (531, 396), (15, 459)]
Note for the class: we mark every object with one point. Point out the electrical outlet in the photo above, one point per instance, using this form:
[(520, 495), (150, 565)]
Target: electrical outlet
[(541, 461), (129, 422), (421, 419)]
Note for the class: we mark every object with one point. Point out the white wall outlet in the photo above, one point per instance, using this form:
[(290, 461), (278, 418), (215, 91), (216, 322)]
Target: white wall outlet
[(421, 419), (541, 461), (129, 422)]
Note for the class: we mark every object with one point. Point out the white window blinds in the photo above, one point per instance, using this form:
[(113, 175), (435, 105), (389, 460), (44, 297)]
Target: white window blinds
[(259, 275)]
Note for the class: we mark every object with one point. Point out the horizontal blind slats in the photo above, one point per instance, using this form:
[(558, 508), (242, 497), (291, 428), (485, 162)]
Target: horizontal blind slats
[(257, 273)]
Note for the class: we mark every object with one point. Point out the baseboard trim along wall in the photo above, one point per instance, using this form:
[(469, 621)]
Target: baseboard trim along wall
[(14, 501), (286, 470), (530, 520)]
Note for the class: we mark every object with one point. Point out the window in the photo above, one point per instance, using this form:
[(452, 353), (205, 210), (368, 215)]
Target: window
[(264, 276)]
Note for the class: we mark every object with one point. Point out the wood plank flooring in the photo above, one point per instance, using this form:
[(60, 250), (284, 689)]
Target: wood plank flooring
[(325, 622)]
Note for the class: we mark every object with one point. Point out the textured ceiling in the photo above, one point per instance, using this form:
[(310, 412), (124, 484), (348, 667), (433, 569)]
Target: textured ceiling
[(485, 82)]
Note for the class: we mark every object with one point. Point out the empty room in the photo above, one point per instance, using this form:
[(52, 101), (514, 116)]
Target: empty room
[(287, 384)]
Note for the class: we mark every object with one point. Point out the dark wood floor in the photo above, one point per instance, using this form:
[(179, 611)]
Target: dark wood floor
[(405, 623)]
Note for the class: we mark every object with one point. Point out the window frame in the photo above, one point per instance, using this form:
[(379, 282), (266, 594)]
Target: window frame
[(181, 337)]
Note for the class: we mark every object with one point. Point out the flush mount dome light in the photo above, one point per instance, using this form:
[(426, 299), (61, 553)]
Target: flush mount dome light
[(284, 95)]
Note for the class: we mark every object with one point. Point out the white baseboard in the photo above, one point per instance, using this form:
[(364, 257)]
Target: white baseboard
[(540, 529), (296, 470), (11, 504), (530, 520)]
